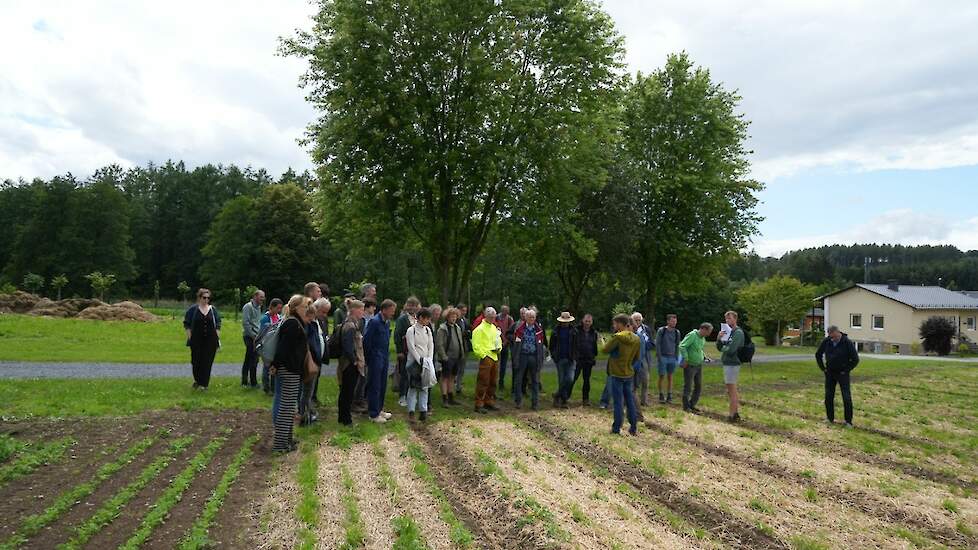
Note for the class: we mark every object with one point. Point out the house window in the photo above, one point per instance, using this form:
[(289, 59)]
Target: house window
[(971, 323), (855, 320), (877, 322)]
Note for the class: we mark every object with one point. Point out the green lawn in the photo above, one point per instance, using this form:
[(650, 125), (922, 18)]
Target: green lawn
[(27, 338)]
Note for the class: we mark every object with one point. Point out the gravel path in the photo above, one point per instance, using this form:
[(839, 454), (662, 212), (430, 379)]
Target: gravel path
[(28, 369)]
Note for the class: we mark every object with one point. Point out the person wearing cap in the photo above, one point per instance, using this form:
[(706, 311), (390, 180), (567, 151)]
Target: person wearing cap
[(487, 343), (564, 354)]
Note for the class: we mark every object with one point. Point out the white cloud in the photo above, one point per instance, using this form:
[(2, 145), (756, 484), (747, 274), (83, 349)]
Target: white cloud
[(89, 83), (852, 85), (901, 226)]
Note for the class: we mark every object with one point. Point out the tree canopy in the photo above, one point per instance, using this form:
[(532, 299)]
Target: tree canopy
[(443, 118)]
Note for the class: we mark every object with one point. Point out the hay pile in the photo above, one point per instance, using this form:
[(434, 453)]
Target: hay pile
[(18, 302), (82, 308), (123, 311)]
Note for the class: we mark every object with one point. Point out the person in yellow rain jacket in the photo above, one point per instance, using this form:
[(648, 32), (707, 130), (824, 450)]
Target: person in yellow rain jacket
[(623, 350), (487, 343)]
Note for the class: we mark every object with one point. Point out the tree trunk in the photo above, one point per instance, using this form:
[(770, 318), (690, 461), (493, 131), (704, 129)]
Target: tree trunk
[(777, 335)]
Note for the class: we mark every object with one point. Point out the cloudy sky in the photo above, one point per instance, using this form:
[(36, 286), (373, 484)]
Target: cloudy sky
[(864, 114)]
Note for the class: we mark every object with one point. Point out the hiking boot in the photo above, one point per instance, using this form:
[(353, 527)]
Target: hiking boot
[(668, 398), (423, 417), (633, 433), (535, 406), (694, 410), (585, 403), (556, 401), (662, 398), (411, 416), (451, 399), (734, 418)]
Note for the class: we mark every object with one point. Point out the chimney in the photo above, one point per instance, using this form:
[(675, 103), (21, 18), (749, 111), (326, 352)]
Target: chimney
[(893, 285)]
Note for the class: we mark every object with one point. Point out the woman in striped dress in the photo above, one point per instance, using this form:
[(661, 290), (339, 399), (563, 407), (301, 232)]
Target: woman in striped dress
[(289, 365)]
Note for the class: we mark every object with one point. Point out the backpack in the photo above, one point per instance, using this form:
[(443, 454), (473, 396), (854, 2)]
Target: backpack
[(334, 344), (267, 339), (746, 352)]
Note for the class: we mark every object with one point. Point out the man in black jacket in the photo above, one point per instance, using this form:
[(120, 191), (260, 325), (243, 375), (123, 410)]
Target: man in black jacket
[(840, 358)]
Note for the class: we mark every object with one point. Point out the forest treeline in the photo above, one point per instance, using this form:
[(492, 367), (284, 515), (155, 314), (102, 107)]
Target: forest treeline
[(228, 228)]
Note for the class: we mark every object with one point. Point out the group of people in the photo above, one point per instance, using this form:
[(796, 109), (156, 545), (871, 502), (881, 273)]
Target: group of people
[(432, 345)]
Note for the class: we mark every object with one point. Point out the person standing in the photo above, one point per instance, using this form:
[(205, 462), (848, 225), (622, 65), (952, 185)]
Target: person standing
[(352, 362), (463, 323), (405, 321), (585, 343), (691, 350), (529, 351), (840, 357), (308, 403), (250, 324), (451, 352), (623, 352), (369, 291), (729, 344), (339, 315), (642, 375), (421, 350), (504, 322), (376, 350), (307, 411), (323, 308), (271, 317), (487, 343), (202, 323), (289, 366), (563, 353), (360, 391), (667, 340)]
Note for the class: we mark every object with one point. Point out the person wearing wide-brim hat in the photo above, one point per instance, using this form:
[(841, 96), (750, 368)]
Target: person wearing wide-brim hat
[(563, 353)]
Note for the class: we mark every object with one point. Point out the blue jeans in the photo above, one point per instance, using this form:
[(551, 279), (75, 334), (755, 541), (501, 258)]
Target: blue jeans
[(267, 380), (565, 379), (376, 386), (621, 391), (606, 394)]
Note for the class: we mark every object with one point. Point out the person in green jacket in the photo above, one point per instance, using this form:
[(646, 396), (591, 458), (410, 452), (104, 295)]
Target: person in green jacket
[(729, 343), (623, 350), (691, 350)]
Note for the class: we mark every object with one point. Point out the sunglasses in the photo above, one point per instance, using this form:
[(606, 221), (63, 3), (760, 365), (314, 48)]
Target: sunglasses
[(206, 297)]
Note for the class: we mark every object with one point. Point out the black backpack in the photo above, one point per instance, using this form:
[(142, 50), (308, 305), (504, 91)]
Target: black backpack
[(746, 352), (334, 345)]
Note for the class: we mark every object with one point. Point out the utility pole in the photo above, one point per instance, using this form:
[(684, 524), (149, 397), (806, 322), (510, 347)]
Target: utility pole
[(866, 261)]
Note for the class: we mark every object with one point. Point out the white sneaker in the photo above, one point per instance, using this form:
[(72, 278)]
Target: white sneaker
[(402, 402), (386, 414), (379, 419)]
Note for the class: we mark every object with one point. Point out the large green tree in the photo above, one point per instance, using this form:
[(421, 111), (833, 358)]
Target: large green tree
[(269, 241), (778, 301), (686, 166), (439, 117)]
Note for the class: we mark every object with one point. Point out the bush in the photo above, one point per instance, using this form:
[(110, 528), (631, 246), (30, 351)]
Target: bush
[(937, 333), (963, 348), (915, 348)]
